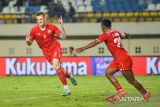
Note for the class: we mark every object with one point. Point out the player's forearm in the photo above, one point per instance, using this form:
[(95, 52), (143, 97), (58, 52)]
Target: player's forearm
[(90, 45), (63, 32)]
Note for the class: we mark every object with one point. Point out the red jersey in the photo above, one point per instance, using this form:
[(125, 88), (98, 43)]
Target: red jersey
[(112, 39), (45, 37)]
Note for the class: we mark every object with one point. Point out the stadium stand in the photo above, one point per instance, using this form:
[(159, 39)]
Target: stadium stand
[(86, 10)]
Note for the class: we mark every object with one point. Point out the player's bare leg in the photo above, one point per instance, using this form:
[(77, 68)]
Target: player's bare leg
[(110, 75), (131, 79), (61, 74)]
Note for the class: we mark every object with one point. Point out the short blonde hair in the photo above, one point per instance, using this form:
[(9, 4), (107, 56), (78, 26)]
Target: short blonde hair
[(40, 13)]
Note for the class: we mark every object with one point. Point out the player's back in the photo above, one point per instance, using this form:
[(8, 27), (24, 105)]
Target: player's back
[(114, 43)]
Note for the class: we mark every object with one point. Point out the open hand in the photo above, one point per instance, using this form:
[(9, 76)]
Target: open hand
[(78, 50), (127, 35), (27, 38), (60, 20)]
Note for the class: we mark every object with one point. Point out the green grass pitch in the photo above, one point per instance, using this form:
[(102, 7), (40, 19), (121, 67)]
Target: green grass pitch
[(45, 91)]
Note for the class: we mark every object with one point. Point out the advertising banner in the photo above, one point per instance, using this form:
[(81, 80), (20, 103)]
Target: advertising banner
[(100, 64), (77, 65), (27, 66), (40, 66), (142, 66)]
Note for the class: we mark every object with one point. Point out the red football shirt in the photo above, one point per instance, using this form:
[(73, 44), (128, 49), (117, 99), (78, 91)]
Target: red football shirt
[(112, 39), (45, 37)]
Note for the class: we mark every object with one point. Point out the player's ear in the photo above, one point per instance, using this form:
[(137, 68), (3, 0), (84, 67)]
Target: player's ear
[(102, 27)]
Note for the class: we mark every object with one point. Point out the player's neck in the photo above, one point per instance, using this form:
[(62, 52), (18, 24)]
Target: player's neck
[(105, 29), (43, 27)]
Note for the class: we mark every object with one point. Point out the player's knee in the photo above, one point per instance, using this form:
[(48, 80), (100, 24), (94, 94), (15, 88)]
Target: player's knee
[(56, 66), (109, 72)]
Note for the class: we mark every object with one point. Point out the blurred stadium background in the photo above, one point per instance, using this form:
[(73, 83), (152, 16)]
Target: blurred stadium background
[(141, 18)]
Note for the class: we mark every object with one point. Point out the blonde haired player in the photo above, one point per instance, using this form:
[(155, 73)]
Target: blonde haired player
[(45, 36)]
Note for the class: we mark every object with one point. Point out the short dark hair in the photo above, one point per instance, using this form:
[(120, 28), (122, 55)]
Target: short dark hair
[(71, 48), (106, 23), (40, 13), (70, 3)]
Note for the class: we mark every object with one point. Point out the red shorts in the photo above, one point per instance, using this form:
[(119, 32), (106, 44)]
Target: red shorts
[(124, 64), (53, 51)]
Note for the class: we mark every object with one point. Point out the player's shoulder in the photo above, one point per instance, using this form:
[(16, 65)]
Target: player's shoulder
[(50, 25), (115, 31), (34, 28), (105, 33)]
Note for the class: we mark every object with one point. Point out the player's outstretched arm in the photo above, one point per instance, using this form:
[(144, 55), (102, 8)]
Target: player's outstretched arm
[(63, 32), (90, 45), (28, 40), (126, 35)]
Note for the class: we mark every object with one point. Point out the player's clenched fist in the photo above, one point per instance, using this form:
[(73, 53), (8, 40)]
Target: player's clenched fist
[(60, 20), (27, 38)]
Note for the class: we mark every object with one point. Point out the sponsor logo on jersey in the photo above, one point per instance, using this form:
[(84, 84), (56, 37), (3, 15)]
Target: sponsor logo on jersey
[(49, 31)]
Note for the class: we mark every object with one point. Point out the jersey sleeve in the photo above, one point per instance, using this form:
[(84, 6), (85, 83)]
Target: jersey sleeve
[(32, 35), (56, 30), (102, 37)]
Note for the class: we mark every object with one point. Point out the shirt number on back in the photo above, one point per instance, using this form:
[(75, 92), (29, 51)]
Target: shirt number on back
[(117, 40)]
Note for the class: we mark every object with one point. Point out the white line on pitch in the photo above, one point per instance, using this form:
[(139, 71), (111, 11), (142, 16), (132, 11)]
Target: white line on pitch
[(29, 98)]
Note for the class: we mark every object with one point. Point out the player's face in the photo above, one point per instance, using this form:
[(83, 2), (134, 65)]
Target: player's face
[(40, 20), (70, 50)]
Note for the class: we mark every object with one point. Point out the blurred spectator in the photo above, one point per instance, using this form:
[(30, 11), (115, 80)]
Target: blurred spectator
[(32, 7), (19, 3), (28, 18), (61, 10), (1, 6), (45, 2), (26, 5), (37, 2), (102, 2), (5, 2), (52, 6), (71, 51), (71, 13), (11, 6), (28, 14)]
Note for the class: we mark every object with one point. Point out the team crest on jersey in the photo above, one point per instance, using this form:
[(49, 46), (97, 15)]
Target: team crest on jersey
[(49, 31)]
